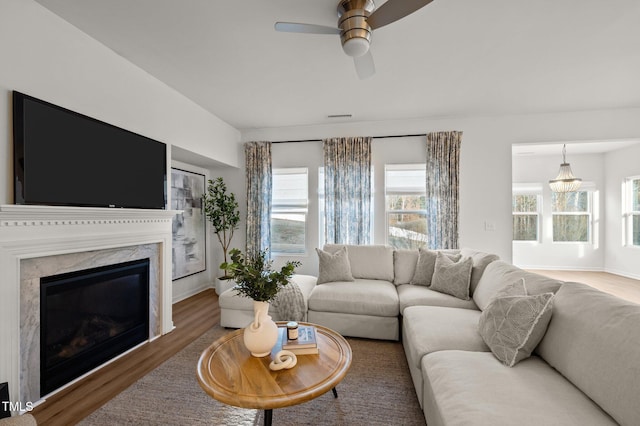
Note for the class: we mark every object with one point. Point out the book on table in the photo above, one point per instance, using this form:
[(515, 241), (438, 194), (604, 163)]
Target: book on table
[(306, 339), (307, 349)]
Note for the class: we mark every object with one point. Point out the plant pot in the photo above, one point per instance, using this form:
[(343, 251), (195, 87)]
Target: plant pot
[(223, 285), (262, 334)]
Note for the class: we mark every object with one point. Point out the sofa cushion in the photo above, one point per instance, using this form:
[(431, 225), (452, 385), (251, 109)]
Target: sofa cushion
[(474, 388), (333, 266), (480, 262), (499, 273), (373, 262), (593, 339), (427, 263), (404, 266), (513, 324), (452, 277), (418, 295), (428, 329), (361, 297)]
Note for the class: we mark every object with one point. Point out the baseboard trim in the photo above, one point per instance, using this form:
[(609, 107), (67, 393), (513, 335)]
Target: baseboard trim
[(623, 274), (192, 292), (560, 268)]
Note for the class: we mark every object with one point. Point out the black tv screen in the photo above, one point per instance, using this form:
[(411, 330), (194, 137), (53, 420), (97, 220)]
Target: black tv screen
[(65, 158)]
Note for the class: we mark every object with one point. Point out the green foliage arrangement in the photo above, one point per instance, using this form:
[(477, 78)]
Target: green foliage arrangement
[(254, 277), (221, 209)]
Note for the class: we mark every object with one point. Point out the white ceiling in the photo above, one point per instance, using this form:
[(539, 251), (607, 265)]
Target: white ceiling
[(451, 58)]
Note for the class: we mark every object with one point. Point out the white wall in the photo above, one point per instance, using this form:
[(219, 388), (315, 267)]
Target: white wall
[(546, 254), (485, 187), (48, 58), (620, 259)]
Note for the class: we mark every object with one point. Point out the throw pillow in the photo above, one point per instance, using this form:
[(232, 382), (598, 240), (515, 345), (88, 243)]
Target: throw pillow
[(452, 277), (426, 265), (404, 266), (334, 266), (512, 326)]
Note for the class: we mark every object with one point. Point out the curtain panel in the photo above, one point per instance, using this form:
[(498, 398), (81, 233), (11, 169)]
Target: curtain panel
[(259, 181), (443, 171), (347, 190)]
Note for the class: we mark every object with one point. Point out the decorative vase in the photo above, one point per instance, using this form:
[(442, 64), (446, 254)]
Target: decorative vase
[(262, 334)]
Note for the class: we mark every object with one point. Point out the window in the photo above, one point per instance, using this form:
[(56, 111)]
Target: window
[(289, 206), (526, 206), (633, 211), (571, 216), (405, 204)]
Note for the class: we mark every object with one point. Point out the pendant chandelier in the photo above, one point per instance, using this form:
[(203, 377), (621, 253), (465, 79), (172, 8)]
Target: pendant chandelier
[(565, 181)]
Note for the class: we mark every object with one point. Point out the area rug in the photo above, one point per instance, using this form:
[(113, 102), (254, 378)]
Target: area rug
[(376, 391)]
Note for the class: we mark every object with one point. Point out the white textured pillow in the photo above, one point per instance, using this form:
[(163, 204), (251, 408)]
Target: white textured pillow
[(452, 277), (334, 266), (426, 265), (512, 326)]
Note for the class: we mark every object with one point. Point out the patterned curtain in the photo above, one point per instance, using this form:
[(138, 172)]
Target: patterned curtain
[(443, 170), (347, 190), (258, 169)]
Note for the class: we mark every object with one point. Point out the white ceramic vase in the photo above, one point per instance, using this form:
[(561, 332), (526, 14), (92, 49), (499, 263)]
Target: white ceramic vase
[(262, 334)]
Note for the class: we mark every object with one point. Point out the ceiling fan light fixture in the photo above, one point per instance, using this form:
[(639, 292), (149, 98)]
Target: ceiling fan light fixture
[(356, 46)]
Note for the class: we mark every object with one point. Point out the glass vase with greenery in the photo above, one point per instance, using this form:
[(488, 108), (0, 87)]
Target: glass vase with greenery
[(221, 209), (254, 277)]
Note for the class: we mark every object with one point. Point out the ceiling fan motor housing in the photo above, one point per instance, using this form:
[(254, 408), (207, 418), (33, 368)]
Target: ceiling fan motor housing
[(355, 32)]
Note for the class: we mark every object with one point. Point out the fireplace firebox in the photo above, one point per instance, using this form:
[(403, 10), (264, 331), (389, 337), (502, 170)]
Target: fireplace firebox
[(89, 317)]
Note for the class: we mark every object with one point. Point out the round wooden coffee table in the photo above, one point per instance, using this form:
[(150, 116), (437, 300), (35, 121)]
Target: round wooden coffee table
[(230, 374)]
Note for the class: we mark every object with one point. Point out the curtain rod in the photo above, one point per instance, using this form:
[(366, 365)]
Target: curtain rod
[(372, 137)]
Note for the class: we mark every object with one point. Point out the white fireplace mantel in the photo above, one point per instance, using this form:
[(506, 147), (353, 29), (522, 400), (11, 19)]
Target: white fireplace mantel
[(28, 232), (27, 215)]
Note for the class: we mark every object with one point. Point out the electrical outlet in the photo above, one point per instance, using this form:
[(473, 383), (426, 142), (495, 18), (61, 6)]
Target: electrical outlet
[(489, 226)]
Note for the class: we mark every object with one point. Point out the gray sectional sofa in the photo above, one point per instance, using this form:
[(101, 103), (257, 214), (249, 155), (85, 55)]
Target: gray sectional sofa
[(585, 364)]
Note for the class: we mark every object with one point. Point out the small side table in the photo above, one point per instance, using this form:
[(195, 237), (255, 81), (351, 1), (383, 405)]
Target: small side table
[(228, 373)]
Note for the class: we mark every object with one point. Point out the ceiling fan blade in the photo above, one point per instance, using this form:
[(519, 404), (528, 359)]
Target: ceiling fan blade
[(365, 67), (295, 27), (393, 10)]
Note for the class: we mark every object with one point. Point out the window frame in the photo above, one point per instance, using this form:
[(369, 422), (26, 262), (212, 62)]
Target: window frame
[(301, 208), (529, 189), (628, 213), (388, 212), (589, 189)]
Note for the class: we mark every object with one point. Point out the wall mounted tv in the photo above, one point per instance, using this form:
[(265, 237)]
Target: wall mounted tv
[(65, 158)]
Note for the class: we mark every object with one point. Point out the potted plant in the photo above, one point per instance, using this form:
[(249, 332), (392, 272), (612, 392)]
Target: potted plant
[(255, 279), (221, 209)]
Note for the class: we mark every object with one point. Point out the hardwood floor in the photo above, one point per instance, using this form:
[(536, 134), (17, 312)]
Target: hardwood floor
[(623, 287), (191, 318)]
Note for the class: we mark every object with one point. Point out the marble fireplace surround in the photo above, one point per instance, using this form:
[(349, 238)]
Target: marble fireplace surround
[(37, 241)]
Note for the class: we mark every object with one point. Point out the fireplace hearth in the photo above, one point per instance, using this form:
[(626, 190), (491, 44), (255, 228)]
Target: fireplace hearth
[(90, 316), (43, 241)]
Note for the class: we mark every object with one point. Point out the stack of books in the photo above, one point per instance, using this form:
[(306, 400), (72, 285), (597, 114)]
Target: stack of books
[(305, 344)]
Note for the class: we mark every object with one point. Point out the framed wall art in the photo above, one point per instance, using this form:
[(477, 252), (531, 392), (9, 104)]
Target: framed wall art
[(189, 227)]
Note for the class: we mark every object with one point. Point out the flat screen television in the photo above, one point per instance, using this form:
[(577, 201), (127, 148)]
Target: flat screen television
[(64, 158)]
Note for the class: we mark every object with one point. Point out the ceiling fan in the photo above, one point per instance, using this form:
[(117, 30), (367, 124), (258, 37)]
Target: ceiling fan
[(356, 20)]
